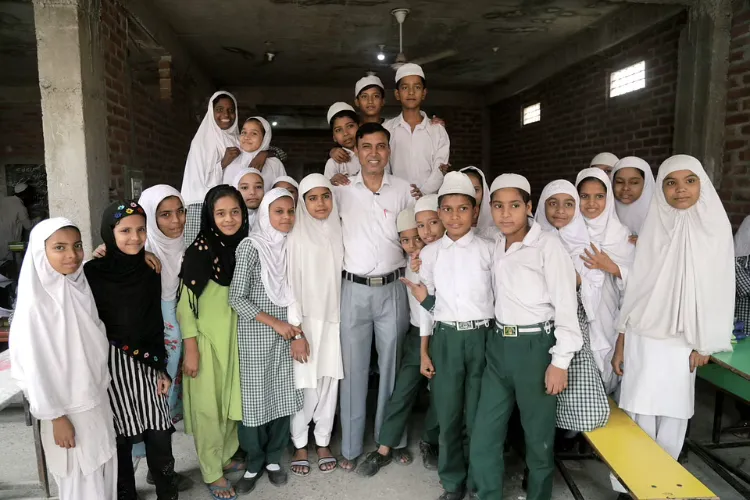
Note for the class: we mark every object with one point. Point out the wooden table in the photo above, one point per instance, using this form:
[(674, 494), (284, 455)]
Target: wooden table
[(9, 391), (729, 372)]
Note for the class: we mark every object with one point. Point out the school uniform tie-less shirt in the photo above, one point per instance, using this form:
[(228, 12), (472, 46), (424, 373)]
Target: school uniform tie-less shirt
[(459, 274), (349, 168), (416, 155), (418, 315), (534, 282), (368, 225)]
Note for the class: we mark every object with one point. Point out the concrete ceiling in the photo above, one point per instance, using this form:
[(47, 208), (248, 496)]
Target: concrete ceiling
[(334, 42)]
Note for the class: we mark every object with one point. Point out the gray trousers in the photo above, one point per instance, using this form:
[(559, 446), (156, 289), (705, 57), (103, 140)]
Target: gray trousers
[(365, 310)]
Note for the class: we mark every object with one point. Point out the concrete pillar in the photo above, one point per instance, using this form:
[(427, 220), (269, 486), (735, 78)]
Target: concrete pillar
[(74, 111), (702, 84)]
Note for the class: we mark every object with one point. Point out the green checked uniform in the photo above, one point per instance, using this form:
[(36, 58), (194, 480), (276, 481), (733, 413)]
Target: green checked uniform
[(536, 312), (458, 273)]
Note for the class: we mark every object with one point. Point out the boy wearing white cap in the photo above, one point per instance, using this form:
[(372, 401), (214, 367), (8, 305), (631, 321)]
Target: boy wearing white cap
[(536, 335), (409, 380), (373, 301), (418, 147), (604, 161), (457, 288), (344, 124)]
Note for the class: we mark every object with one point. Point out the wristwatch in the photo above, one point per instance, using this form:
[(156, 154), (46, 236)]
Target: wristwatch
[(299, 336)]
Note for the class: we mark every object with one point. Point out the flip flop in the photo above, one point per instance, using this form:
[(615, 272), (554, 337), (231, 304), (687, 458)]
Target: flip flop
[(300, 463), (327, 460), (214, 489)]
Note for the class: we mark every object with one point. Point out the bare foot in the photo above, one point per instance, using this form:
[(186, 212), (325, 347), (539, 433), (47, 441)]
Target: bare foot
[(228, 492), (300, 454), (348, 465)]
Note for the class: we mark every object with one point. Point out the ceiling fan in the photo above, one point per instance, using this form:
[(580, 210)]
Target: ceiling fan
[(400, 15)]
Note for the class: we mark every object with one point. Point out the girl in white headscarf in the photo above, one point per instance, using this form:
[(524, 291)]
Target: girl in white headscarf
[(484, 224), (288, 183), (59, 354), (261, 294), (255, 138), (214, 147), (249, 182), (610, 252), (633, 184), (678, 304), (604, 161), (316, 254)]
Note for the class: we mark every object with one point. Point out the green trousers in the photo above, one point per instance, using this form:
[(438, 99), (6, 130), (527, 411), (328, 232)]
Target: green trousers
[(264, 444), (515, 374), (459, 359), (409, 381)]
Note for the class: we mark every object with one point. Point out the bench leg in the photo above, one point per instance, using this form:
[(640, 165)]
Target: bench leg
[(569, 480), (721, 468), (41, 460), (718, 410)]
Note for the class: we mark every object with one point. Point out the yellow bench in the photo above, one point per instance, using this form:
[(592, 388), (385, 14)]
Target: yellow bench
[(643, 467)]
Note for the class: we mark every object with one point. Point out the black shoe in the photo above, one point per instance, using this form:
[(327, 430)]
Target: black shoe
[(429, 455), (247, 484), (452, 495), (277, 477), (184, 483), (525, 481), (372, 463), (624, 496)]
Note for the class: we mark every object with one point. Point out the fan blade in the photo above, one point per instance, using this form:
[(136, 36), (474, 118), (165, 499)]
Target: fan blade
[(435, 57)]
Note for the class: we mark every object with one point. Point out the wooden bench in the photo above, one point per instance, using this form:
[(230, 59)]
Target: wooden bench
[(641, 465)]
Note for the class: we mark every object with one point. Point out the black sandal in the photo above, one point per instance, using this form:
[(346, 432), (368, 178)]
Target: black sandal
[(373, 462)]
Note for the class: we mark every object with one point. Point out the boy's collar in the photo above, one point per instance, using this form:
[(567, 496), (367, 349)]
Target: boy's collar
[(462, 242), (423, 123)]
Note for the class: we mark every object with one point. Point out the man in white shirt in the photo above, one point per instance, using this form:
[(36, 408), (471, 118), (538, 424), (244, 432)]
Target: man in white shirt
[(418, 147), (373, 300), (14, 218)]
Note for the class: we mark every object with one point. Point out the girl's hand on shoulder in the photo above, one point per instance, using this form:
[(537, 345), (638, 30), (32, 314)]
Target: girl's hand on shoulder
[(164, 384), (340, 180), (555, 380), (100, 251), (230, 154), (419, 291), (259, 160), (153, 262), (444, 168), (63, 432), (287, 331), (697, 360), (339, 155), (300, 350), (437, 121)]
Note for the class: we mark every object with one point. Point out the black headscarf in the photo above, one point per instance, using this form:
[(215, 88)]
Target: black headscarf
[(128, 293), (211, 257)]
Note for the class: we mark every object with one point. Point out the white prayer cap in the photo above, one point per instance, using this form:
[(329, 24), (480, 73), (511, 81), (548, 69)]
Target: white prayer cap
[(20, 187), (604, 159), (406, 220), (338, 107), (367, 81), (427, 203), (457, 183), (511, 181), (409, 69)]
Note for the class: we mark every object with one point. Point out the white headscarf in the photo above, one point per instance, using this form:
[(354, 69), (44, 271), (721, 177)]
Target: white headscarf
[(575, 239), (604, 159), (742, 239), (271, 246), (202, 170), (58, 344), (242, 173), (485, 213), (316, 257), (245, 158), (169, 250), (634, 214), (286, 178), (682, 283), (606, 230)]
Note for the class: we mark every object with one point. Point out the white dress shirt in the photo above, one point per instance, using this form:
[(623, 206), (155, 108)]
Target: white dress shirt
[(349, 169), (459, 274), (416, 155), (418, 315), (535, 282), (368, 225)]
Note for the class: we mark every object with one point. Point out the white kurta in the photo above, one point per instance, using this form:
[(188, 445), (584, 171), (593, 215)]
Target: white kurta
[(656, 377), (349, 168), (272, 170)]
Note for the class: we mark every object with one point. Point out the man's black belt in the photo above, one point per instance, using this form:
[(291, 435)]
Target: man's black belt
[(374, 280)]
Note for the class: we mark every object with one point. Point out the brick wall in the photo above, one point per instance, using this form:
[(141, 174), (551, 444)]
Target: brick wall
[(145, 131), (21, 136), (735, 184), (579, 121)]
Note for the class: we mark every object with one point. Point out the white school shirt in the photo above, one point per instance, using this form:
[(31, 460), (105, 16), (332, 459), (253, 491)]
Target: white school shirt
[(459, 274), (535, 282), (368, 225), (416, 156), (349, 168)]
